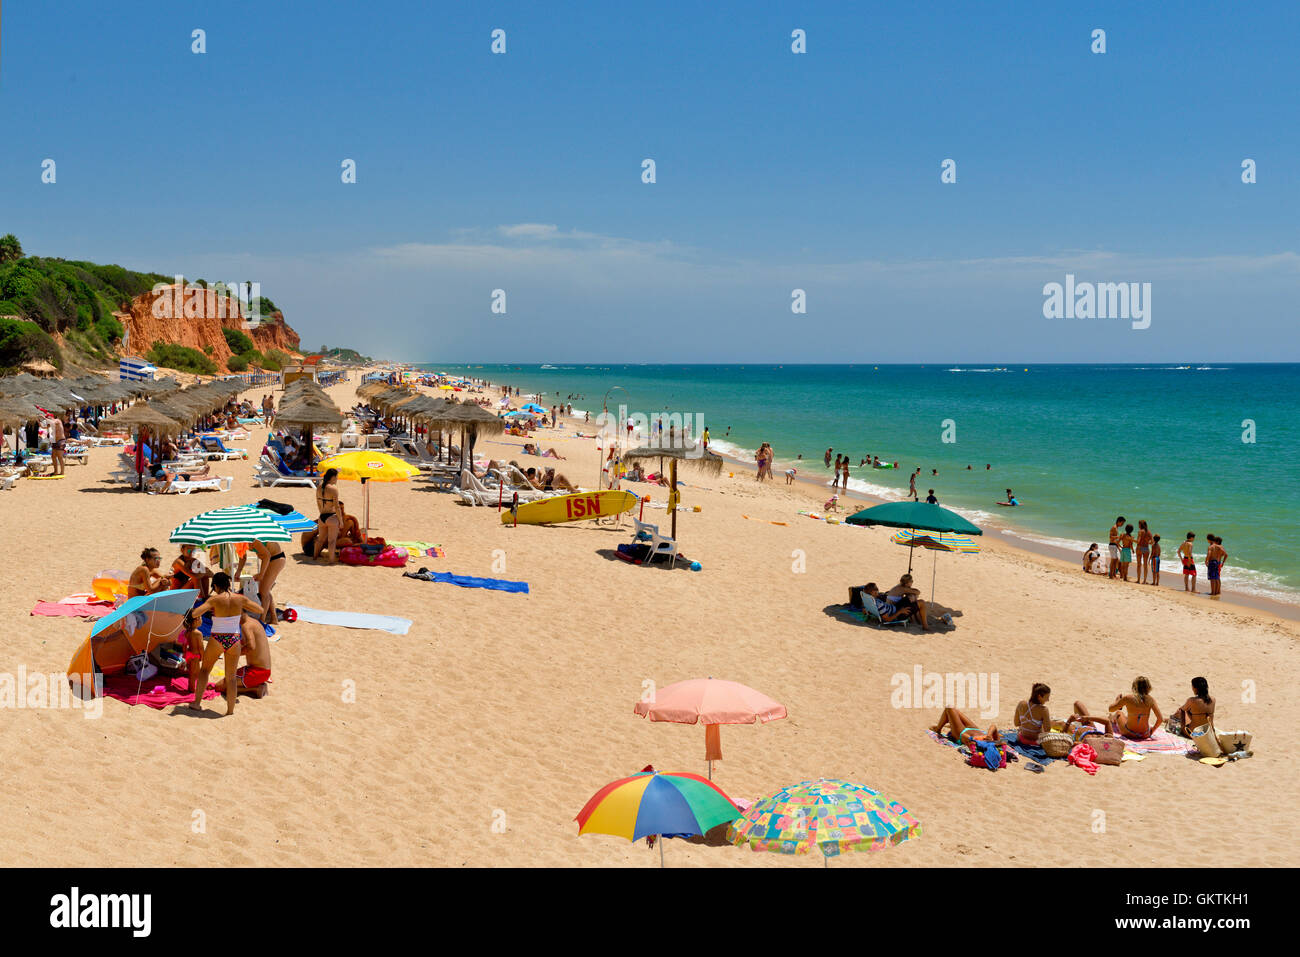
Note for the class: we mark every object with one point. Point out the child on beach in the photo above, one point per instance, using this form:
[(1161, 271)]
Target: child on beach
[(790, 474), (1090, 558), (1125, 551), (832, 504), (1155, 559), (228, 610)]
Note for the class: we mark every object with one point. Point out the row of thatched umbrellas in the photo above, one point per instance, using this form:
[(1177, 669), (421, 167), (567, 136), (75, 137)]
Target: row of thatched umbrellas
[(443, 415)]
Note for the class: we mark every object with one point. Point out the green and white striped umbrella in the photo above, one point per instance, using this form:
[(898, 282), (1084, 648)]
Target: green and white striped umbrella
[(228, 526)]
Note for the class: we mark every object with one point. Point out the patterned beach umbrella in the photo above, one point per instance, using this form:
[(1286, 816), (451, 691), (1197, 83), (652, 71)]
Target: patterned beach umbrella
[(294, 521), (835, 816), (230, 526), (654, 803)]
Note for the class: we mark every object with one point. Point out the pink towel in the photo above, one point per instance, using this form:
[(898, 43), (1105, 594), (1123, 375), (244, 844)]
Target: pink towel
[(59, 609), (156, 692), (1082, 756)]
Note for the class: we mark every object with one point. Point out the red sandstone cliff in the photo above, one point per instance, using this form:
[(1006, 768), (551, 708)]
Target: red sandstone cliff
[(193, 316)]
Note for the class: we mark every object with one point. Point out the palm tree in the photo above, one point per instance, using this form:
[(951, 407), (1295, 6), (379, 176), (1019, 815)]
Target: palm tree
[(10, 248)]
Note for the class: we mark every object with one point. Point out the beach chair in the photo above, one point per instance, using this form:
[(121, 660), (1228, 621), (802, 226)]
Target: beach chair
[(375, 440), (7, 482), (350, 440), (873, 613), (213, 448), (475, 492), (659, 544), (267, 473), (216, 483)]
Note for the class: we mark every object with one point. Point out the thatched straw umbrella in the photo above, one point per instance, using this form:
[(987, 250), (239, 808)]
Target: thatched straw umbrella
[(697, 456), (474, 420), (14, 414), (143, 419)]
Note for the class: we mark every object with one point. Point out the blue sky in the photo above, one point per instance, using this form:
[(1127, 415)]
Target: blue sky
[(775, 171)]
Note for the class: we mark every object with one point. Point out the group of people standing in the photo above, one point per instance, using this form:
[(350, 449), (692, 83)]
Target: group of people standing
[(764, 458), (1126, 543), (238, 623)]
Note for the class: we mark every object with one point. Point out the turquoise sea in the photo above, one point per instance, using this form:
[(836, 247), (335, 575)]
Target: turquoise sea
[(1079, 444)]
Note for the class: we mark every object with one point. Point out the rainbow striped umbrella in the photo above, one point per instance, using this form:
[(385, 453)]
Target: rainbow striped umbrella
[(835, 816), (656, 803), (950, 544)]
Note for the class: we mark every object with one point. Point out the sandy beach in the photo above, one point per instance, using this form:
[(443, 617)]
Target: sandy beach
[(475, 739)]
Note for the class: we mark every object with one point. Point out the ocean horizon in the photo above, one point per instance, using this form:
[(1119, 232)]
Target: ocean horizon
[(1187, 446)]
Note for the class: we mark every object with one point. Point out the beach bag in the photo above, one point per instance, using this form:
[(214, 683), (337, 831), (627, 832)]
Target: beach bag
[(1232, 741), (1205, 740), (855, 598), (1055, 744), (1108, 750), (139, 666), (986, 754)]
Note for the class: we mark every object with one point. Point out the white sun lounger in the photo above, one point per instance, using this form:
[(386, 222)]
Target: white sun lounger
[(217, 483)]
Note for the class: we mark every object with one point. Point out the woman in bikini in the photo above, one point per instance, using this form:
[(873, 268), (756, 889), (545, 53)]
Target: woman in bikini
[(1031, 717), (227, 632), (1198, 709), (962, 729), (327, 500), (271, 563), (1143, 551), (146, 580), (1129, 715)]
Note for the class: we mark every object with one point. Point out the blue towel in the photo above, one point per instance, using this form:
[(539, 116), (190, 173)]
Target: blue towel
[(205, 627), (350, 619), (1033, 752), (468, 581)]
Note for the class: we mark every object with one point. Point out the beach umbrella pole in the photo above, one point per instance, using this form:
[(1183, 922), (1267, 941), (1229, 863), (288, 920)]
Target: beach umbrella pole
[(661, 851)]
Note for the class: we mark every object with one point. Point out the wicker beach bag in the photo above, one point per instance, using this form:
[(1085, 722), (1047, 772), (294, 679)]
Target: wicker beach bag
[(1056, 744)]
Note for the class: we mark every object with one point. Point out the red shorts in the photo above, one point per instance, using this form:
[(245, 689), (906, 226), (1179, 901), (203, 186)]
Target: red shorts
[(251, 677)]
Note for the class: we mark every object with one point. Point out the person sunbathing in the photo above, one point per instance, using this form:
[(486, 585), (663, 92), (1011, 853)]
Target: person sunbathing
[(886, 610), (161, 479), (551, 482), (1032, 718), (962, 729), (906, 598), (551, 454), (146, 579), (1198, 709), (1129, 715), (252, 678)]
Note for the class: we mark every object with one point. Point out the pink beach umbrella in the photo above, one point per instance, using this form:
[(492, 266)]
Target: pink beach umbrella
[(713, 702)]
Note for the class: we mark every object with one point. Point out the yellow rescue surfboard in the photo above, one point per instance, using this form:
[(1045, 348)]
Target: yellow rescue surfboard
[(576, 507)]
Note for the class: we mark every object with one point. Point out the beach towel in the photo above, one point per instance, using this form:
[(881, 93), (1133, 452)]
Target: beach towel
[(1162, 742), (156, 693), (1031, 751), (425, 549), (351, 619), (468, 581), (59, 609)]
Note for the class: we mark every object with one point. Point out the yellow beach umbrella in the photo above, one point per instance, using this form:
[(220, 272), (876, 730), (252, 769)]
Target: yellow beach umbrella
[(366, 466)]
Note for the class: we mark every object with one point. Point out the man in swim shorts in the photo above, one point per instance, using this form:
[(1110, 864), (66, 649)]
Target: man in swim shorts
[(1215, 558), (1189, 562), (253, 676)]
